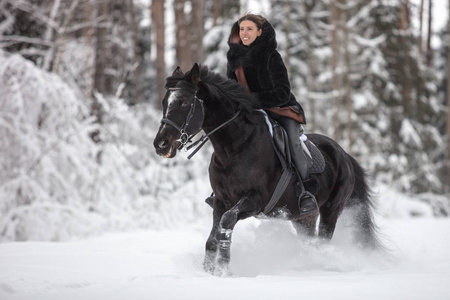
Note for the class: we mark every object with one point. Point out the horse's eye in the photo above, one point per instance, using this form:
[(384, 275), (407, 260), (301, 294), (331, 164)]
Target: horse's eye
[(184, 104)]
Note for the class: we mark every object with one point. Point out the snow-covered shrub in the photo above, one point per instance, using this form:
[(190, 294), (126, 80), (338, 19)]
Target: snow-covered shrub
[(55, 182)]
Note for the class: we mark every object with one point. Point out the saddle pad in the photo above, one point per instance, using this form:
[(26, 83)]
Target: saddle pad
[(318, 165), (318, 162)]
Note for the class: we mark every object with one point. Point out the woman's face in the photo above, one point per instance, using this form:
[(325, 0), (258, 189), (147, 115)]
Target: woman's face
[(248, 32)]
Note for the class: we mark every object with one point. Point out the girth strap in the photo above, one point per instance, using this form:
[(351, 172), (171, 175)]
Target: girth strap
[(282, 184), (279, 190)]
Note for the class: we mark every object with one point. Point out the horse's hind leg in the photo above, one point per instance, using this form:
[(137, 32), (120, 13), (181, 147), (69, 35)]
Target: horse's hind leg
[(328, 219), (306, 225)]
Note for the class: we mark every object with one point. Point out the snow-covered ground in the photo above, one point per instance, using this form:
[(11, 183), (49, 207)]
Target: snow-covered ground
[(268, 261)]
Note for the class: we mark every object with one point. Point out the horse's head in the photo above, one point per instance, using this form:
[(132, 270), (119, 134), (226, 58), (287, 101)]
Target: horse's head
[(183, 112)]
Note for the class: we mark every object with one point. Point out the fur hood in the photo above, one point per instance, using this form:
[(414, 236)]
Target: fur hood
[(239, 54), (264, 69)]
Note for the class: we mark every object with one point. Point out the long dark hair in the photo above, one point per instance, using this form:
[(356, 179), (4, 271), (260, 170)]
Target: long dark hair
[(257, 19)]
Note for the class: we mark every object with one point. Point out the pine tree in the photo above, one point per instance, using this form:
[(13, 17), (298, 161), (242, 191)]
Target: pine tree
[(362, 60)]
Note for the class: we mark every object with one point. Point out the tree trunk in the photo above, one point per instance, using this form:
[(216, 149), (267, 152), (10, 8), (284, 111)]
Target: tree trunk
[(287, 24), (231, 8), (430, 33), (217, 11), (60, 41), (99, 71), (88, 30), (406, 73), (159, 29), (335, 16), (347, 81), (197, 31), (136, 95), (100, 49), (89, 35), (49, 56), (447, 133), (420, 41), (310, 81), (183, 39), (123, 8)]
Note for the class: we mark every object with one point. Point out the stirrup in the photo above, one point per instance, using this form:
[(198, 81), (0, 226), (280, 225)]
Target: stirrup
[(307, 205)]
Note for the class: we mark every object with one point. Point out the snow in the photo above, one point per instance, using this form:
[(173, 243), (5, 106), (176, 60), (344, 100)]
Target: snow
[(268, 260), (409, 134), (52, 186), (56, 190)]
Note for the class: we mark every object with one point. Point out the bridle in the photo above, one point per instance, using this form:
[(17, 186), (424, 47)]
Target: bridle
[(186, 138)]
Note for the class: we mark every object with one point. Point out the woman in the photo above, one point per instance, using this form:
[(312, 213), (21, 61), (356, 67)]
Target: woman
[(254, 62)]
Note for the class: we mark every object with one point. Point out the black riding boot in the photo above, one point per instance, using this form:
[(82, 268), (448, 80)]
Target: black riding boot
[(307, 202)]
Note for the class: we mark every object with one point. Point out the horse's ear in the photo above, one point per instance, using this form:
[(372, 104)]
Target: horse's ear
[(194, 74), (178, 72)]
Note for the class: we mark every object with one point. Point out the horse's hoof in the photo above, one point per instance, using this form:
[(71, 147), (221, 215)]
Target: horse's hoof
[(216, 270), (222, 271), (209, 267)]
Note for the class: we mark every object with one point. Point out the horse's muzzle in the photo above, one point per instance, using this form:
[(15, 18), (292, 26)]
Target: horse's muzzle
[(164, 147)]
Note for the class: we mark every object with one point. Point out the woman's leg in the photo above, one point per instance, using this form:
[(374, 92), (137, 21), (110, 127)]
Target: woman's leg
[(308, 204), (294, 130)]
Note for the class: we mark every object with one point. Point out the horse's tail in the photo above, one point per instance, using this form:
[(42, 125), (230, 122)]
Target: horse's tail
[(361, 204)]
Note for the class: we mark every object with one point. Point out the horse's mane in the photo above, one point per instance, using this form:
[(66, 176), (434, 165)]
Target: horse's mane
[(235, 93), (219, 87)]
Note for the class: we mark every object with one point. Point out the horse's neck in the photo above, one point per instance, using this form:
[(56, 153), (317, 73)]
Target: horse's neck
[(231, 136)]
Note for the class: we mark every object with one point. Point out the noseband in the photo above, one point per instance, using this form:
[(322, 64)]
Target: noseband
[(185, 137)]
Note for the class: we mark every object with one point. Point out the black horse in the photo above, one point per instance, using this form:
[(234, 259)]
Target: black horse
[(245, 169)]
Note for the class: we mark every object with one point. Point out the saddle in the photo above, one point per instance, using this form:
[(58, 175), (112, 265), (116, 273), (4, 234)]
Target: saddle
[(316, 162)]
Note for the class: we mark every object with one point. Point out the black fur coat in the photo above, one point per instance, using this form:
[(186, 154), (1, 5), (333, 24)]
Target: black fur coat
[(264, 69)]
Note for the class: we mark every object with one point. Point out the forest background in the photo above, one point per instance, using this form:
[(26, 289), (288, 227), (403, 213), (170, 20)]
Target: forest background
[(82, 80)]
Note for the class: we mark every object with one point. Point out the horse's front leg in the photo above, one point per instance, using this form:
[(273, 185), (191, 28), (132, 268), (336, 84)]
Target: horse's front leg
[(246, 207), (212, 244)]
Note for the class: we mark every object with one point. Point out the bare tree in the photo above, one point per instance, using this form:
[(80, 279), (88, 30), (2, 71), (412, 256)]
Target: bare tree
[(430, 33), (100, 50), (60, 41), (100, 64), (420, 40), (189, 33), (183, 38), (48, 58), (406, 72), (346, 77), (197, 30), (217, 10), (287, 25), (310, 80), (231, 8), (447, 130), (135, 60), (335, 22), (23, 26), (158, 31), (341, 68)]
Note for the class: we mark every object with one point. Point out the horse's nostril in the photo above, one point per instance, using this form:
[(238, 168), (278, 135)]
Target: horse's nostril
[(163, 144)]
